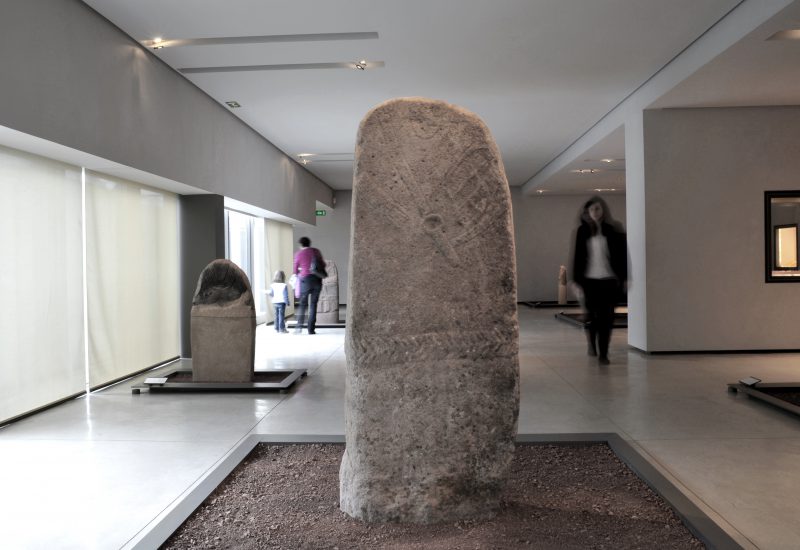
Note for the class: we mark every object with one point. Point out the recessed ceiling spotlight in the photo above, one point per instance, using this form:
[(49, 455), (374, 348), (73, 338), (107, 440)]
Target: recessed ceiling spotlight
[(158, 43), (604, 189), (541, 191), (305, 158), (607, 161), (233, 104), (361, 65)]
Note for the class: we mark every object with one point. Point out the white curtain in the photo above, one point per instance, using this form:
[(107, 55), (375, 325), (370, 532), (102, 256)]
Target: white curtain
[(132, 276), (279, 255), (41, 324)]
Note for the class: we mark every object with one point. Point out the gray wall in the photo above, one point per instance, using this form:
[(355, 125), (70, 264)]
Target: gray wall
[(706, 171), (71, 77), (332, 237), (202, 240), (544, 228), (635, 197)]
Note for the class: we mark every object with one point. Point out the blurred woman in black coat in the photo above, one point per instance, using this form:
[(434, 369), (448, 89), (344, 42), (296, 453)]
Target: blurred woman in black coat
[(600, 270)]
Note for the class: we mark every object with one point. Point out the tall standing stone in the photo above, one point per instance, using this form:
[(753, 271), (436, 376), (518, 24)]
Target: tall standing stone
[(223, 325), (432, 388)]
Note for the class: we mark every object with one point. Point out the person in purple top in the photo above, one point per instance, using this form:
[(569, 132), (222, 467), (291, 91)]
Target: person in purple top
[(310, 284)]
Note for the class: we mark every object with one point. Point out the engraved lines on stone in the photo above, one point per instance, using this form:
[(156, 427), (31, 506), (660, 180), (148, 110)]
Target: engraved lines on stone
[(469, 207), (463, 345)]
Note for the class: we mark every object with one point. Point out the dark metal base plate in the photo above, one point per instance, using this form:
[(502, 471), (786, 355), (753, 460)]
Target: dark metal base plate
[(763, 390), (180, 380), (293, 325), (551, 304)]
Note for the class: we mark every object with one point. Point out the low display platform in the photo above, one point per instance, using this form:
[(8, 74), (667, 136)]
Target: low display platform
[(550, 304), (180, 380), (579, 319), (785, 395), (292, 324)]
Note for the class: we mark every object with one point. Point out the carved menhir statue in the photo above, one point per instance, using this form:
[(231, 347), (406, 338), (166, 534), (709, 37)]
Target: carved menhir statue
[(328, 304), (562, 284), (223, 325), (432, 390)]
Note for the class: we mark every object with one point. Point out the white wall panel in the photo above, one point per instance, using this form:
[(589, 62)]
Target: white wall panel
[(132, 276), (41, 319)]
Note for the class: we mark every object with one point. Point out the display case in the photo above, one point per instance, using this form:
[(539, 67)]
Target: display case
[(782, 219)]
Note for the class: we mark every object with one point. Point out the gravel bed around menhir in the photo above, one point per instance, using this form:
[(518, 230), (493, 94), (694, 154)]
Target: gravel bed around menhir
[(558, 496)]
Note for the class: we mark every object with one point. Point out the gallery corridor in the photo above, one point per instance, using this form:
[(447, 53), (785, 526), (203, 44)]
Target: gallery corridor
[(94, 472)]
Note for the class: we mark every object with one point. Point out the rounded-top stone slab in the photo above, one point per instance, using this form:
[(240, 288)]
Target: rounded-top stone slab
[(223, 325)]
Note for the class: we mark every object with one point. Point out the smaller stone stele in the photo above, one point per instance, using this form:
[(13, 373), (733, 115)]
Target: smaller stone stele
[(328, 304), (223, 325)]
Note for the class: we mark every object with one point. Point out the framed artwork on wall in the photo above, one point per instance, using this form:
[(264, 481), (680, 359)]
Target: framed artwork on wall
[(781, 223)]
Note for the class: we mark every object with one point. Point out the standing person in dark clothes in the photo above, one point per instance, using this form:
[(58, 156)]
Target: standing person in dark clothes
[(310, 283), (600, 270)]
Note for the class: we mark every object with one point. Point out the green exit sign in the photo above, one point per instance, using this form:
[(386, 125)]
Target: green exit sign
[(321, 213)]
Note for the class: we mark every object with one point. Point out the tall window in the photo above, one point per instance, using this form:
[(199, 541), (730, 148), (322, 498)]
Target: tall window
[(245, 245)]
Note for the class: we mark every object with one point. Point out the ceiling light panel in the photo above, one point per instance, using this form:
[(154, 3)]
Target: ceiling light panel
[(267, 39), (285, 67), (308, 158)]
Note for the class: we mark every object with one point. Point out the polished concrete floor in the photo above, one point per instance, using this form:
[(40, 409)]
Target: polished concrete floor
[(94, 472)]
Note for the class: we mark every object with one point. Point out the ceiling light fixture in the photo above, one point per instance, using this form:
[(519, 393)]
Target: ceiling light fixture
[(361, 65), (275, 38), (158, 43), (349, 65), (316, 158), (586, 171), (788, 34), (607, 161), (305, 158), (601, 190), (233, 104)]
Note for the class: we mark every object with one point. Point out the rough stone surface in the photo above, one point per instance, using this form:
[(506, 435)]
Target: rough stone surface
[(328, 305), (432, 386), (223, 325)]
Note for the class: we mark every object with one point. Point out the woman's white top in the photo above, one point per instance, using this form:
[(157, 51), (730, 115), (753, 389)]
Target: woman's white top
[(598, 265)]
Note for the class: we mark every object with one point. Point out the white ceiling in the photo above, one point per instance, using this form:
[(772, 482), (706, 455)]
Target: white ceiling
[(540, 73)]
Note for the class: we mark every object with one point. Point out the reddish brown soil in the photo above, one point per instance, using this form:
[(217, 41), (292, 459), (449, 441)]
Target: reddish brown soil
[(558, 496)]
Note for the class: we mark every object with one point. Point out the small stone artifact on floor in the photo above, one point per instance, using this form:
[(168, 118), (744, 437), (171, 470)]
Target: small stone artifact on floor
[(432, 369), (328, 304), (223, 325)]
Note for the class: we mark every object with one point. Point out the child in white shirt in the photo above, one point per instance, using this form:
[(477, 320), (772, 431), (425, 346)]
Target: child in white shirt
[(280, 297)]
